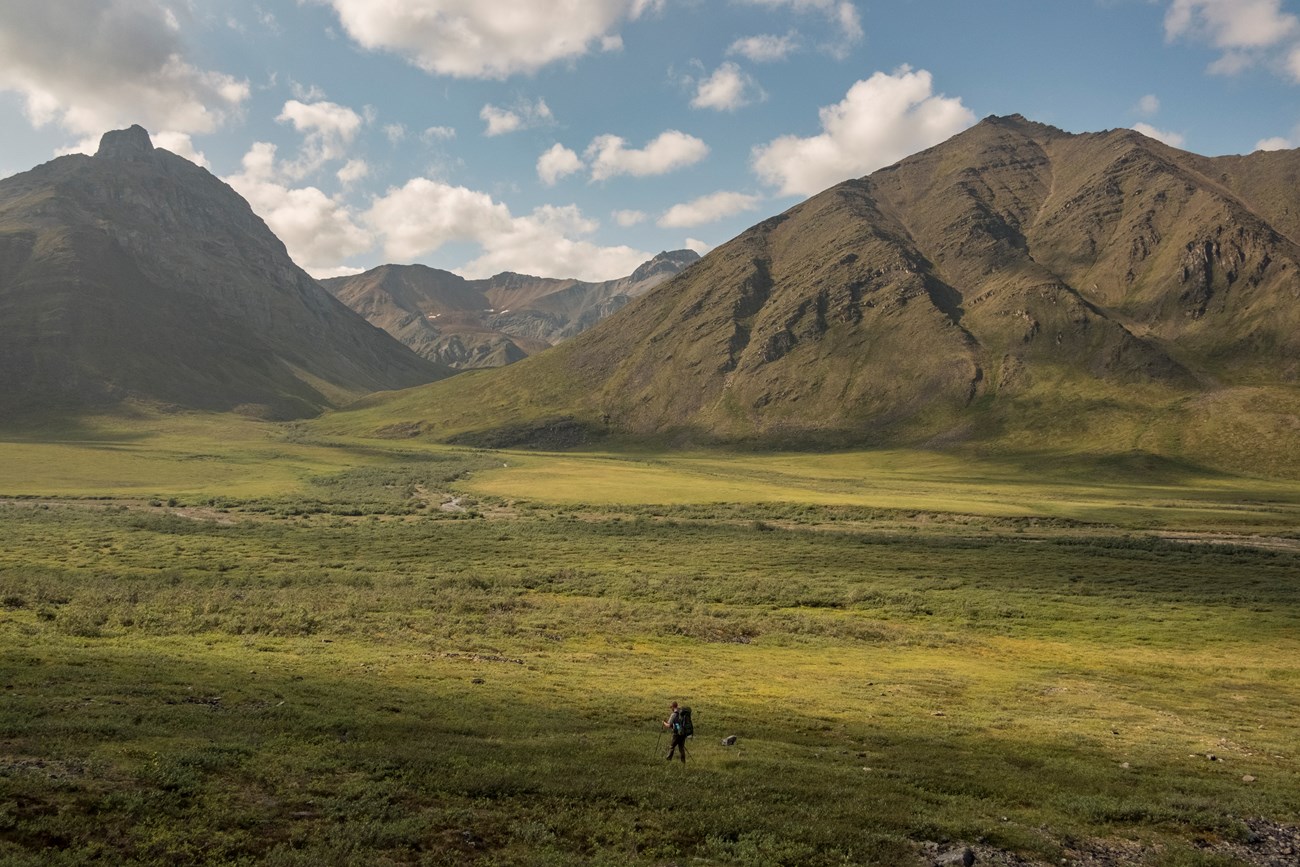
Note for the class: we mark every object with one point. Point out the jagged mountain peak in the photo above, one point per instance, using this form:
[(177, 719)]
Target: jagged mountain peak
[(668, 261), (1020, 123), (132, 143), (496, 320)]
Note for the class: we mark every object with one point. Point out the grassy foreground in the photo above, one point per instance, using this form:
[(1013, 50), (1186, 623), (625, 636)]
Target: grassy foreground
[(309, 661)]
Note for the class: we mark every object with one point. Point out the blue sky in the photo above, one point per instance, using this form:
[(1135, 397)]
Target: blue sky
[(579, 137)]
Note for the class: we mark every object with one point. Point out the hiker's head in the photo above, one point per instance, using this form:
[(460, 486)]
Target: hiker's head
[(673, 705)]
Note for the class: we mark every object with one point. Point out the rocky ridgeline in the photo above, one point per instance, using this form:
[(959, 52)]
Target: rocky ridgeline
[(493, 321)]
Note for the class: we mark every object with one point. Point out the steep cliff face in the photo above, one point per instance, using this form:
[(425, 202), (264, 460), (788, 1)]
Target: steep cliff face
[(495, 321), (135, 273)]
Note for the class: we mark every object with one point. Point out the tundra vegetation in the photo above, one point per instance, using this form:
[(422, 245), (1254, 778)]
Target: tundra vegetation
[(227, 641)]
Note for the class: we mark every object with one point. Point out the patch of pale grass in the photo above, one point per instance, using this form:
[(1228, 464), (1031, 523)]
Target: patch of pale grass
[(897, 480), (183, 454)]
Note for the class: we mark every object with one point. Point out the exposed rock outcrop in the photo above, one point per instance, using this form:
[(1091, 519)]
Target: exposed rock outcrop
[(494, 321)]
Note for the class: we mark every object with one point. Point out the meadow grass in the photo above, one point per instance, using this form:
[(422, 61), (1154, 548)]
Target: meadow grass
[(336, 671), (195, 456), (1118, 492), (150, 453)]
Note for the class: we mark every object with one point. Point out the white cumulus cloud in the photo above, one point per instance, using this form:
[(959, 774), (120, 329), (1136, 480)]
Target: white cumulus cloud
[(629, 218), (1148, 105), (843, 13), (670, 150), (438, 133), (353, 171), (1247, 31), (306, 92), (423, 215), (548, 243), (499, 121), (395, 132), (1280, 142), (727, 89), (91, 66), (1276, 143), (1230, 23), (318, 231), (525, 115), (765, 48), (556, 163), (1173, 139), (328, 130), (485, 38), (180, 144), (707, 209), (700, 247), (880, 121), (850, 21)]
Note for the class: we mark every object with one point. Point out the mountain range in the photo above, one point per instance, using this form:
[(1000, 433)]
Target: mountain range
[(491, 322), (1016, 283), (1016, 287), (137, 274)]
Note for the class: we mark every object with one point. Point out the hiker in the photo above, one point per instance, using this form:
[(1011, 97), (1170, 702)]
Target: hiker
[(674, 725)]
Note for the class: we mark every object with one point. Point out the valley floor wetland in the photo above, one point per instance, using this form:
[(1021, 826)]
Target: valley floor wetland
[(232, 642)]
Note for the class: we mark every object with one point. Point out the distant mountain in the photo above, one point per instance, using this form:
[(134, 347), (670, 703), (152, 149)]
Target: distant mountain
[(134, 273), (1016, 285), (492, 322)]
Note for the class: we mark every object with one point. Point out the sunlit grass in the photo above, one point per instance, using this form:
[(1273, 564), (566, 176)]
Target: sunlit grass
[(898, 480), (423, 689), (272, 646), (183, 454), (152, 454)]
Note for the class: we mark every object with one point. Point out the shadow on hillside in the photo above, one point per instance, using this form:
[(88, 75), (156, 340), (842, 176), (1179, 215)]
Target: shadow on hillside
[(69, 428), (1130, 467)]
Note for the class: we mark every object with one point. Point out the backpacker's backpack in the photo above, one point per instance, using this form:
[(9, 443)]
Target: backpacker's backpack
[(684, 725)]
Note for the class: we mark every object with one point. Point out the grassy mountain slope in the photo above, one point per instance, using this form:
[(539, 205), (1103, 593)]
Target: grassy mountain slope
[(136, 274), (1016, 287)]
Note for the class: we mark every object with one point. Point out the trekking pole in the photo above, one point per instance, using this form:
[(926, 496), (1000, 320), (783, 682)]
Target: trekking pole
[(659, 741)]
